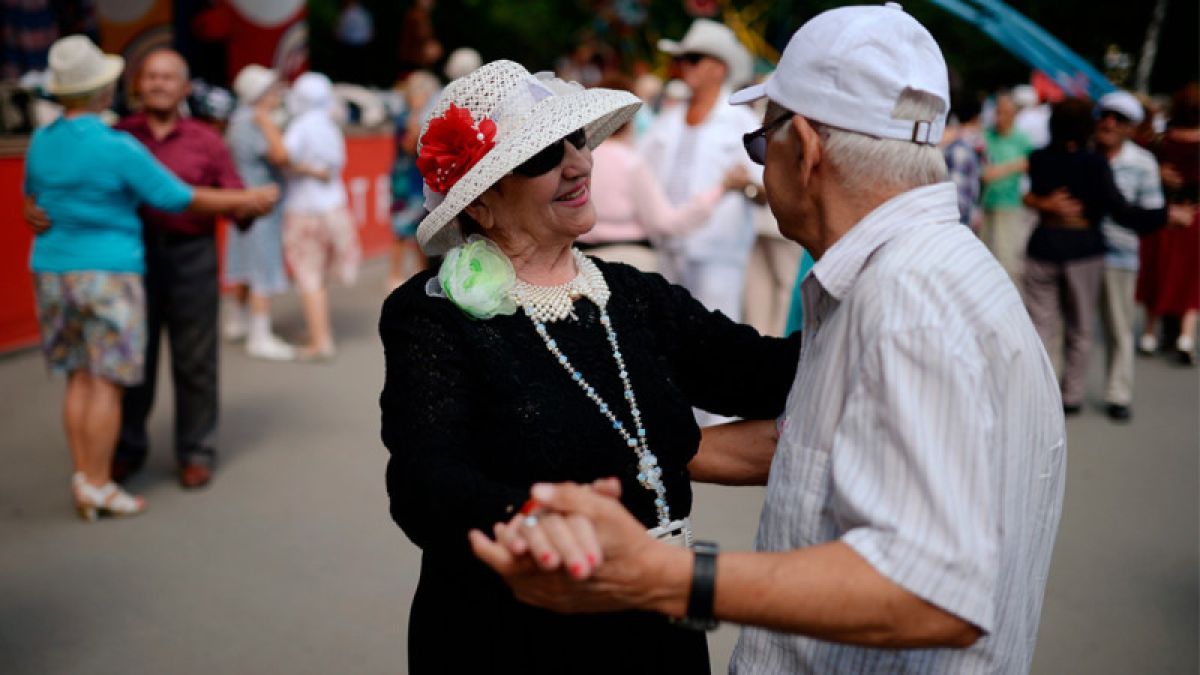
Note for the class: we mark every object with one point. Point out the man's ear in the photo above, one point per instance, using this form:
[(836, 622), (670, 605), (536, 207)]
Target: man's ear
[(809, 147)]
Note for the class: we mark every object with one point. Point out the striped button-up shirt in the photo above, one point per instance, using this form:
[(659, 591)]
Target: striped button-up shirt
[(924, 430)]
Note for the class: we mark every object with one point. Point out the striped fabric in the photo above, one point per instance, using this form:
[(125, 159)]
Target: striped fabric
[(924, 429)]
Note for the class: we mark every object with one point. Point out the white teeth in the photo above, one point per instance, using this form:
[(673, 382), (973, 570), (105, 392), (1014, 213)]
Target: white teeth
[(572, 195)]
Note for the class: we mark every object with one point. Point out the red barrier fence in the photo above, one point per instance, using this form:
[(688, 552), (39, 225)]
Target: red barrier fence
[(368, 165)]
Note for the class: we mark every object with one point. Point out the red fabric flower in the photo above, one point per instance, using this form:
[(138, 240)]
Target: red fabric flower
[(451, 146)]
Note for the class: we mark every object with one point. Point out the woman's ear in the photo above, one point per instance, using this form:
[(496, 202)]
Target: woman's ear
[(480, 213)]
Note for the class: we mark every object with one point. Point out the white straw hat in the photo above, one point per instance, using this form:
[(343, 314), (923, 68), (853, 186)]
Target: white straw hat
[(530, 112), (848, 67), (717, 40), (253, 81), (77, 66)]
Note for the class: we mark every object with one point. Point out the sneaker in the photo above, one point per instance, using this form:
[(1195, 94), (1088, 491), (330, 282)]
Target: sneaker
[(270, 348), (1147, 344), (237, 324), (1185, 348)]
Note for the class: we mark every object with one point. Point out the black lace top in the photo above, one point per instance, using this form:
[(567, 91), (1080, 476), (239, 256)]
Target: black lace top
[(474, 412)]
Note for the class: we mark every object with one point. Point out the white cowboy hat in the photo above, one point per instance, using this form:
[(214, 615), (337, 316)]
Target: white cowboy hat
[(253, 81), (530, 112), (717, 40), (77, 66)]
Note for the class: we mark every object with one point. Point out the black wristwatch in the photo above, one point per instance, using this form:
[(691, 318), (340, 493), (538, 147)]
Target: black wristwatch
[(704, 583)]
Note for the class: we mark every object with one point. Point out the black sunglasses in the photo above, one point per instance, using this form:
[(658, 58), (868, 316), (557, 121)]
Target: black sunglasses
[(552, 155), (756, 141), (690, 58)]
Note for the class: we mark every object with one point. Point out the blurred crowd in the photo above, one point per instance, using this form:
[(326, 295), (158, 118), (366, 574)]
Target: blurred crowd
[(1089, 206), (1091, 209)]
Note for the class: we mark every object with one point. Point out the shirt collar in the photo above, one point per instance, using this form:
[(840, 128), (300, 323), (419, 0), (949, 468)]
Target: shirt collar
[(842, 264)]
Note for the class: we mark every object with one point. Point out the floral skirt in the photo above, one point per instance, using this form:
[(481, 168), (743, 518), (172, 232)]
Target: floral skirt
[(93, 321)]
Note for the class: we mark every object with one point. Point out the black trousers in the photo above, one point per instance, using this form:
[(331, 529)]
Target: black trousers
[(182, 298)]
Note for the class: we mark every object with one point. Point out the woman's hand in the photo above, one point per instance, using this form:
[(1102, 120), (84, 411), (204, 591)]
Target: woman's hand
[(35, 217), (736, 178), (551, 541), (1181, 215)]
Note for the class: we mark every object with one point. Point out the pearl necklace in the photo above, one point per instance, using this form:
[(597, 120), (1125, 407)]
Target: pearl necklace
[(554, 303)]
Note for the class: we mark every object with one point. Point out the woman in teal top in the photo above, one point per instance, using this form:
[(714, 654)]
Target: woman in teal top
[(83, 185), (795, 320)]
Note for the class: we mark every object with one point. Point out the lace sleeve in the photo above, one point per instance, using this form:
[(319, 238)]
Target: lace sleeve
[(429, 409)]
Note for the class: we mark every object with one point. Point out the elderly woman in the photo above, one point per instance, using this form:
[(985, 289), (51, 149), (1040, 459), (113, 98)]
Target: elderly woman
[(254, 258), (523, 360), (318, 233), (83, 185)]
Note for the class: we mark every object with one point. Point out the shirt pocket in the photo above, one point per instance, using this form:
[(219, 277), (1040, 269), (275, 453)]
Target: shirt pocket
[(801, 501)]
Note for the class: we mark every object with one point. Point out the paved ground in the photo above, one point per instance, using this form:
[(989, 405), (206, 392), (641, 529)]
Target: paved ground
[(289, 563)]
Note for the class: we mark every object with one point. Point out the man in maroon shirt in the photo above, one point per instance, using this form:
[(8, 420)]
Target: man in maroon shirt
[(182, 291)]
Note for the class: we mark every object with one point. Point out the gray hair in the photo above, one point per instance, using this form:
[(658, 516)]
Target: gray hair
[(867, 164)]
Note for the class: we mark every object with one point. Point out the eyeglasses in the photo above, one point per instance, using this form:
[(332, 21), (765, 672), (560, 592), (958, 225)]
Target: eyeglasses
[(756, 141), (690, 58), (552, 155)]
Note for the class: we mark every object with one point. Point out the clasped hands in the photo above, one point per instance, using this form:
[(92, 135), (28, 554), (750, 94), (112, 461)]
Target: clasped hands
[(578, 551)]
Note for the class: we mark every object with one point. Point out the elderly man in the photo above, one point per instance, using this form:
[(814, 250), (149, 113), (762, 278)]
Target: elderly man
[(916, 486), (689, 148), (1135, 172), (181, 277)]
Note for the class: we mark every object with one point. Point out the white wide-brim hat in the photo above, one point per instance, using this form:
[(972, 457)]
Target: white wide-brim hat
[(717, 40), (531, 112), (252, 82), (77, 66)]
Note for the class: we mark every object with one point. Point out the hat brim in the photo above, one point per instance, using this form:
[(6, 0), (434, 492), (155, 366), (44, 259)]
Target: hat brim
[(111, 70), (749, 95), (600, 113), (670, 47)]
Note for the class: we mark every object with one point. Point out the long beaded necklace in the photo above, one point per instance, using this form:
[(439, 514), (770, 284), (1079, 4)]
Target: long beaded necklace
[(547, 304)]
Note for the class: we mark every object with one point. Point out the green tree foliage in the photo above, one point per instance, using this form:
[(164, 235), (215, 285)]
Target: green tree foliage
[(538, 32)]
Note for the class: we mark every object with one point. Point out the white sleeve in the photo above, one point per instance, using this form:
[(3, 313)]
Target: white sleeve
[(912, 474)]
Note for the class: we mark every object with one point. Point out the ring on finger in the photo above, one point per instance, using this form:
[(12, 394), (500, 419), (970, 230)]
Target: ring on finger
[(531, 520)]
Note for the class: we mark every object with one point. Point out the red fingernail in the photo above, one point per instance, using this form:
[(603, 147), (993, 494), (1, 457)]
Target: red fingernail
[(547, 558), (529, 506), (591, 560), (577, 570)]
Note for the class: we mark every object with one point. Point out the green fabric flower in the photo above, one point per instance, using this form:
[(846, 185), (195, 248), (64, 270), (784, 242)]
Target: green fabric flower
[(478, 277)]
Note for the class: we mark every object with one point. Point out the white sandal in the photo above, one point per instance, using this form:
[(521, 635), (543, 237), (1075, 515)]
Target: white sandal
[(107, 500)]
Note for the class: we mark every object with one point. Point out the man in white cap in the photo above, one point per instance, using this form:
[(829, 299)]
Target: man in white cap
[(915, 489), (689, 148), (1135, 172)]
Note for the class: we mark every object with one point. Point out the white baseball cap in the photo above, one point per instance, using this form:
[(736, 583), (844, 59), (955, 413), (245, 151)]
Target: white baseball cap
[(717, 40), (847, 68), (1124, 103)]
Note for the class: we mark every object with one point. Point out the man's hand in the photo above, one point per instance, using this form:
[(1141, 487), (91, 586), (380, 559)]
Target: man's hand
[(35, 217), (634, 571)]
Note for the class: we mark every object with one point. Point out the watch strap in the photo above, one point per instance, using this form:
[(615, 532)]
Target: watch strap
[(703, 589)]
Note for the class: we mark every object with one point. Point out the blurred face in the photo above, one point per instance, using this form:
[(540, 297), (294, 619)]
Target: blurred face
[(700, 71), (550, 209), (1006, 112), (1113, 129), (272, 99), (163, 82)]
